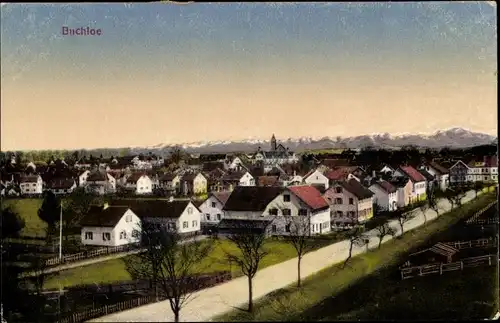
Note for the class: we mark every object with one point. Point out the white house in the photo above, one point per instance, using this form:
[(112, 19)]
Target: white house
[(249, 202), (441, 174), (82, 178), (62, 186), (170, 182), (31, 185), (316, 177), (303, 203), (350, 203), (100, 183), (484, 171), (193, 183), (419, 184), (386, 195), (212, 207), (110, 226), (140, 183), (180, 215), (235, 164)]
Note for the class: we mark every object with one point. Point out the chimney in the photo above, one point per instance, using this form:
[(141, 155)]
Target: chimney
[(105, 205)]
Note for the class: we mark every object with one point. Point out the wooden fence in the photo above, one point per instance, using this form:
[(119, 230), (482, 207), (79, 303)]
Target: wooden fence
[(479, 243), (475, 219), (109, 309), (91, 254), (429, 269)]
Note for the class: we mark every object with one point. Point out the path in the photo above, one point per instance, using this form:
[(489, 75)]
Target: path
[(96, 260), (214, 301)]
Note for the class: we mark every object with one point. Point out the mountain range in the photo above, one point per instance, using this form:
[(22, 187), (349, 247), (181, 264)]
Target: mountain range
[(453, 138)]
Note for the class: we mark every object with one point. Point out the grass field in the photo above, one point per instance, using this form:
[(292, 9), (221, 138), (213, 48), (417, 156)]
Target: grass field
[(115, 270), (322, 294), (28, 210)]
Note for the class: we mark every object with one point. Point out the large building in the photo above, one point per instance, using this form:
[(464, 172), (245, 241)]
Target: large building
[(277, 155)]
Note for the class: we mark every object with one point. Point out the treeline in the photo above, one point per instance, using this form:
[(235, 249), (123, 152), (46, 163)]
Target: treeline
[(43, 156)]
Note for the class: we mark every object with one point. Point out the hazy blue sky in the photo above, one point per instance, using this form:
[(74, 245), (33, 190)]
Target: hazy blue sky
[(163, 73)]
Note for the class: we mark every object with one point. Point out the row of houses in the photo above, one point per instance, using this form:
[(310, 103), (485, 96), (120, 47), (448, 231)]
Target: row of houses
[(339, 202)]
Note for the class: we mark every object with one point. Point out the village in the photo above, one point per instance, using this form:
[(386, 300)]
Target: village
[(107, 204)]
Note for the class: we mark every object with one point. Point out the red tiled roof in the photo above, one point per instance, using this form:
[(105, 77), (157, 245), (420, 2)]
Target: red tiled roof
[(310, 196), (340, 173), (413, 174), (386, 186)]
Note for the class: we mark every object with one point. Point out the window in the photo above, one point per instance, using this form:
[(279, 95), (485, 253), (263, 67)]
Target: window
[(106, 236), (123, 235), (302, 212), (195, 223), (185, 225), (286, 198), (190, 210), (135, 234), (287, 228), (218, 217), (128, 218), (338, 200), (89, 236), (213, 204), (273, 228), (286, 212), (317, 177), (273, 211), (338, 189), (208, 216), (351, 200), (340, 213), (352, 214), (485, 178)]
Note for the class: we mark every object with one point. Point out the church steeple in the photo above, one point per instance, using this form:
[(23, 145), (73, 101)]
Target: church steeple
[(273, 143)]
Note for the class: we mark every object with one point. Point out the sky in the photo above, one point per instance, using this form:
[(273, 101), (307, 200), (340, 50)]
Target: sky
[(165, 73)]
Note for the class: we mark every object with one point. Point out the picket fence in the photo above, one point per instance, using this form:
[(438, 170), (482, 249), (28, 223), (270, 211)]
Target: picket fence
[(479, 243), (429, 269), (90, 254), (109, 309), (476, 220)]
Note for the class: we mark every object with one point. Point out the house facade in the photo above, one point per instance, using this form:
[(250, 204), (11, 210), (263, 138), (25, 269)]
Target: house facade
[(193, 184), (418, 181), (31, 185), (212, 207), (250, 202), (303, 205), (350, 203), (170, 183), (485, 170), (100, 183), (404, 191), (110, 226), (385, 195), (459, 173), (179, 215), (318, 178), (62, 186), (440, 173), (141, 184), (82, 178)]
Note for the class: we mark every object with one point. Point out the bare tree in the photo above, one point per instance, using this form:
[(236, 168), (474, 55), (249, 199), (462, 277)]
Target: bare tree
[(424, 207), (403, 217), (172, 263), (432, 201), (356, 238), (249, 238), (383, 230), (299, 228)]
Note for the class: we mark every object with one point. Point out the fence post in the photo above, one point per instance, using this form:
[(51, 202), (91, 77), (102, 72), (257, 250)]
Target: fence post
[(421, 274), (470, 243), (441, 269), (489, 260), (461, 265), (402, 275)]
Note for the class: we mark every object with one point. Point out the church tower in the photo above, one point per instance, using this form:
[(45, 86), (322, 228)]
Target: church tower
[(273, 143)]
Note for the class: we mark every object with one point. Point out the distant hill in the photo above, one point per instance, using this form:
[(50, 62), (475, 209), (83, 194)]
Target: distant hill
[(453, 138)]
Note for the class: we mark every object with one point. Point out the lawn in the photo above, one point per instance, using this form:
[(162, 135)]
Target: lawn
[(321, 296), (115, 270), (28, 210)]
